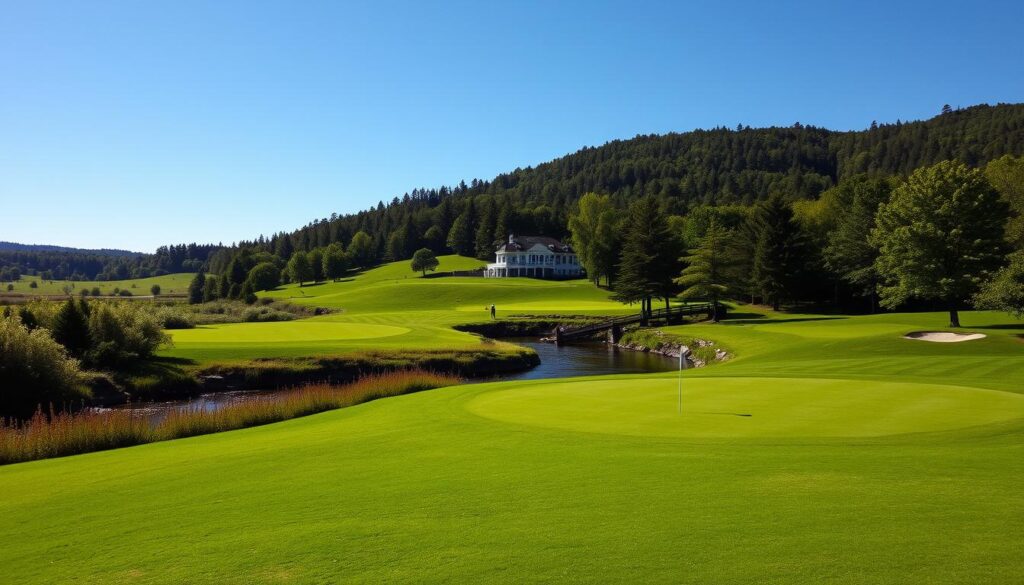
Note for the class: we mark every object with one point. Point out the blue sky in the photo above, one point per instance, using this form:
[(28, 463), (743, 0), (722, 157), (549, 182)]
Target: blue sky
[(133, 124)]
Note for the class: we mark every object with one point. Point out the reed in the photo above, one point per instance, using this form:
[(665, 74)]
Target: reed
[(56, 434)]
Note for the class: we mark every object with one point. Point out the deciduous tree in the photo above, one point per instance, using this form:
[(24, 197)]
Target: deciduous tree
[(939, 237)]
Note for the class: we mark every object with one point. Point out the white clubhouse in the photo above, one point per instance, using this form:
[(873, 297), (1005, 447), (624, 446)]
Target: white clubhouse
[(535, 256)]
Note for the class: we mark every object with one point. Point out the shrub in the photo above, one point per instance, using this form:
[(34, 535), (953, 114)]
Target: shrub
[(173, 318), (34, 370), (125, 293), (123, 332), (33, 284)]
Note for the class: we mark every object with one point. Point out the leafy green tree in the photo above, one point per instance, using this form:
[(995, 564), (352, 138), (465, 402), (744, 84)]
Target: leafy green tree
[(195, 288), (424, 260), (435, 239), (362, 250), (299, 268), (779, 252), (595, 236), (460, 238), (1005, 292), (316, 264), (223, 288), (649, 256), (939, 237), (155, 290), (396, 245), (263, 276), (1007, 176), (35, 370), (706, 273), (848, 253), (335, 262), (70, 327)]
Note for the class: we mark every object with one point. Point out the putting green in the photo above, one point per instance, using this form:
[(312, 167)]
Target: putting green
[(306, 330), (749, 407)]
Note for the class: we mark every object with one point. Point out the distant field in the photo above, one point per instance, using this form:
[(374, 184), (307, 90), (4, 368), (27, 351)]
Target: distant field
[(169, 284)]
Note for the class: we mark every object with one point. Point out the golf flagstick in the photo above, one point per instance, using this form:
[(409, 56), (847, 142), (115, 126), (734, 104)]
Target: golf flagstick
[(679, 384)]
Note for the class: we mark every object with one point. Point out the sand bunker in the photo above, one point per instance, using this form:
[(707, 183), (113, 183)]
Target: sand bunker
[(943, 336)]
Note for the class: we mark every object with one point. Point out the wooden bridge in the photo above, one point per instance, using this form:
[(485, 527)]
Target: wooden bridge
[(615, 326)]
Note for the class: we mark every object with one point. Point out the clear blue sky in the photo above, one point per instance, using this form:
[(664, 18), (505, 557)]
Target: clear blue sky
[(132, 124)]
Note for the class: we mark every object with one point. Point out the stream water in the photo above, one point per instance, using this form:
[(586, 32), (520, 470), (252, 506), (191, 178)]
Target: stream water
[(584, 359)]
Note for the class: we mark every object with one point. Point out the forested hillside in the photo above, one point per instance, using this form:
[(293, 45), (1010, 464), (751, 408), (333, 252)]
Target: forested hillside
[(682, 170)]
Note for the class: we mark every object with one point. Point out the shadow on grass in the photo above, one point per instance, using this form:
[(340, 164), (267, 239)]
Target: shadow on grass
[(763, 321), (1000, 326)]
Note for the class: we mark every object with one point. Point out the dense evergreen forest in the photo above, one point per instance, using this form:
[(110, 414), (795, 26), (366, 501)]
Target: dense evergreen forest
[(683, 173)]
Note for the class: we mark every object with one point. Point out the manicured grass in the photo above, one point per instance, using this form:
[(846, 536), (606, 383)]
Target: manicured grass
[(749, 407), (169, 284), (391, 307), (868, 459)]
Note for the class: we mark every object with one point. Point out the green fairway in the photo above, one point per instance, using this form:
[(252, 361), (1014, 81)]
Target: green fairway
[(176, 284), (749, 407), (396, 308)]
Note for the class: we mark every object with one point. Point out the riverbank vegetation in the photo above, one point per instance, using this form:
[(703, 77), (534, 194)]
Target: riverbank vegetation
[(57, 434)]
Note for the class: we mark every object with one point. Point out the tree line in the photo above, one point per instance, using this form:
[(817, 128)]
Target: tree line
[(948, 236)]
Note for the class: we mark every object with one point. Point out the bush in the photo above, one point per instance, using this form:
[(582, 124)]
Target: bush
[(173, 318), (122, 332), (125, 293), (35, 370)]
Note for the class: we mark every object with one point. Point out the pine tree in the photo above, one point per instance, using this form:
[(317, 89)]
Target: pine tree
[(649, 256), (706, 273), (484, 240), (779, 253), (848, 253), (196, 288), (71, 328)]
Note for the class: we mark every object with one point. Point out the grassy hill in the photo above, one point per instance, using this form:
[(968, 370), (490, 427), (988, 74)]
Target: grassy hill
[(390, 307), (866, 458), (170, 284)]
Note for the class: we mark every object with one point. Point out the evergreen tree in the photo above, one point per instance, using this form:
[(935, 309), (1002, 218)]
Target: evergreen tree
[(71, 328), (779, 252), (484, 240), (848, 252), (649, 257), (939, 236), (195, 288), (211, 290), (706, 273), (223, 287)]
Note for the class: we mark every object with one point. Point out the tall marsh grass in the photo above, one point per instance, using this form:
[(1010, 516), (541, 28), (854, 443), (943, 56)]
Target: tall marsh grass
[(57, 434)]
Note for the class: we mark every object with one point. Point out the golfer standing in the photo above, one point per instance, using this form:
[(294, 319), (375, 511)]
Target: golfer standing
[(493, 311)]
